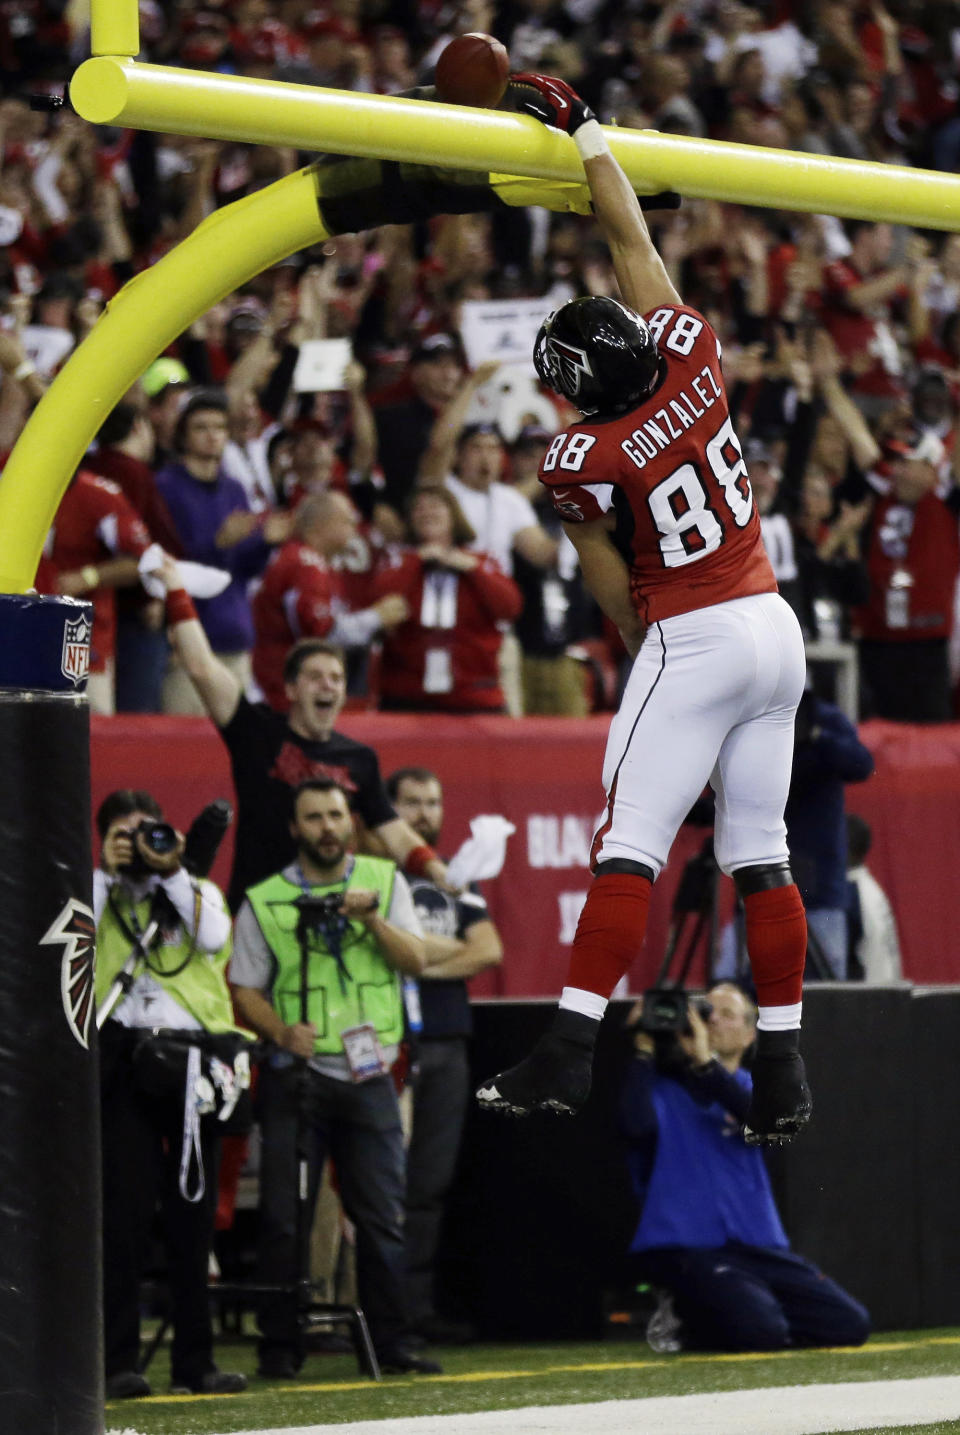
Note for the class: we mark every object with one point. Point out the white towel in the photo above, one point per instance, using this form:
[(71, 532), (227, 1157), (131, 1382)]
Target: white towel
[(199, 579), (483, 854)]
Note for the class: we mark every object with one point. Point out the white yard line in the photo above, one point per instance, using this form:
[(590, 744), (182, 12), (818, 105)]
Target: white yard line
[(782, 1410)]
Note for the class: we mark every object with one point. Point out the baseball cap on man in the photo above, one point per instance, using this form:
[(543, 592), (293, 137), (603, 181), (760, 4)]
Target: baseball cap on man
[(247, 316), (161, 374), (757, 450), (532, 436), (918, 447), (436, 346), (478, 430)]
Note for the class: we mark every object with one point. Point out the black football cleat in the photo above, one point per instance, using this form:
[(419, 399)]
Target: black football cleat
[(554, 1077), (781, 1103)]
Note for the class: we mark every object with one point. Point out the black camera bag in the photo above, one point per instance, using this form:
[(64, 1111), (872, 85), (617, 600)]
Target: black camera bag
[(159, 1064)]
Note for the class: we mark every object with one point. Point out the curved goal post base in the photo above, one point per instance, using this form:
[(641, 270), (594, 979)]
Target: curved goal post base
[(234, 244)]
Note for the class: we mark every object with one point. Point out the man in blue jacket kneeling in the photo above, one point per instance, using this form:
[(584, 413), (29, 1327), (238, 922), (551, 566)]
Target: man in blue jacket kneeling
[(709, 1236)]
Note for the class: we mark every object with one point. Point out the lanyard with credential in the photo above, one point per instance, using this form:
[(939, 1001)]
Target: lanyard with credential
[(191, 1152), (142, 941)]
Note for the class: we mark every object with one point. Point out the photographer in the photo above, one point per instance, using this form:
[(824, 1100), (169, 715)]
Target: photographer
[(709, 1233), (318, 952), (163, 941)]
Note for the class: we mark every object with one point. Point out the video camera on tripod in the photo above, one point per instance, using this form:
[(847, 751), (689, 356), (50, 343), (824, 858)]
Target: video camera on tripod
[(663, 1015), (666, 1011)]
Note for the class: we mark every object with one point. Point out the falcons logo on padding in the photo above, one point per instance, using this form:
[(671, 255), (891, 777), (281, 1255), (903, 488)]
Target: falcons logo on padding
[(75, 930), (572, 364)]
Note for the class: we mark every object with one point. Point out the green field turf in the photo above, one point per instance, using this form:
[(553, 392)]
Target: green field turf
[(496, 1377), (942, 1427)]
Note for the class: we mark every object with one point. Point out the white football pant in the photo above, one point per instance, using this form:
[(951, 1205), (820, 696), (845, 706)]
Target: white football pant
[(712, 698)]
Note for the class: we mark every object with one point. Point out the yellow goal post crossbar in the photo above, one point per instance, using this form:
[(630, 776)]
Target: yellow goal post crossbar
[(116, 91)]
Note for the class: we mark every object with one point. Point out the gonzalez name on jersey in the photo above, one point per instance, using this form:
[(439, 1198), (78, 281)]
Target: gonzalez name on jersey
[(673, 473)]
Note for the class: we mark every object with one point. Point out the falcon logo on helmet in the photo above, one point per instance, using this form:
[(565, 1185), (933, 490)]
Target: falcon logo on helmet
[(598, 354), (572, 364)]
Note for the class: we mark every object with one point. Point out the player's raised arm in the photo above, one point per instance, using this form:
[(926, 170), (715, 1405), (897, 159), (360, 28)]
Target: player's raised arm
[(608, 578), (219, 690), (641, 274)]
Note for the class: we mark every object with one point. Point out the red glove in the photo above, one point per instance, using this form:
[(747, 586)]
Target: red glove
[(550, 101)]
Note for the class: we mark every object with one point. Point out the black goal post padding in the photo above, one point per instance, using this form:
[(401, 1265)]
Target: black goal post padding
[(51, 1340)]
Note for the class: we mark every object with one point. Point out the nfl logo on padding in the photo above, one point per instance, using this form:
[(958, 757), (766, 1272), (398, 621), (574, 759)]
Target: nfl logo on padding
[(75, 659)]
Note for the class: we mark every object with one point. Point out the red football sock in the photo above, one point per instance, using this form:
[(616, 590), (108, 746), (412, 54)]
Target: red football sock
[(776, 944), (610, 931)]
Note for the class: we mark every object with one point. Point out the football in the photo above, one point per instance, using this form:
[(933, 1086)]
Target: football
[(472, 70)]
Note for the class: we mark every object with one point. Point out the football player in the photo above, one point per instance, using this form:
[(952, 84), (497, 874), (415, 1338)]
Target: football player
[(653, 492)]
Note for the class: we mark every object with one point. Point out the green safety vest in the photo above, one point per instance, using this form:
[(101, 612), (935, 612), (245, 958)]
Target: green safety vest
[(361, 988), (200, 988)]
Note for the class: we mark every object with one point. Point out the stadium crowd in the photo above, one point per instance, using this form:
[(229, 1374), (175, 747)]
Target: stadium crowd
[(840, 342)]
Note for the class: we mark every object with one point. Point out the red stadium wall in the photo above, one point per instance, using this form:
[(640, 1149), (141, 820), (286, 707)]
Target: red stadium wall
[(544, 775)]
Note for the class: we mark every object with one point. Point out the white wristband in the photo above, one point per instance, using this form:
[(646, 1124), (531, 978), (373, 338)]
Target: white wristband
[(590, 140), (24, 370)]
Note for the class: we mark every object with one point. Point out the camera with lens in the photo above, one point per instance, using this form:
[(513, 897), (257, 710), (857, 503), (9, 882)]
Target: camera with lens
[(665, 1017), (158, 837), (318, 911), (202, 842), (666, 1012)]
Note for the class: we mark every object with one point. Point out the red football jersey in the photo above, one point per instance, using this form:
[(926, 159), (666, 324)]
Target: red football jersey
[(298, 598), (445, 656), (95, 522), (673, 467)]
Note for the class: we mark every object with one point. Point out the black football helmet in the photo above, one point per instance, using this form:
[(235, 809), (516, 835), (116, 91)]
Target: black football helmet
[(597, 353)]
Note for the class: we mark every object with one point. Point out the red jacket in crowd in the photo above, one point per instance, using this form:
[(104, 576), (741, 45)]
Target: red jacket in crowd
[(913, 559), (856, 333), (136, 480), (298, 598), (445, 656)]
